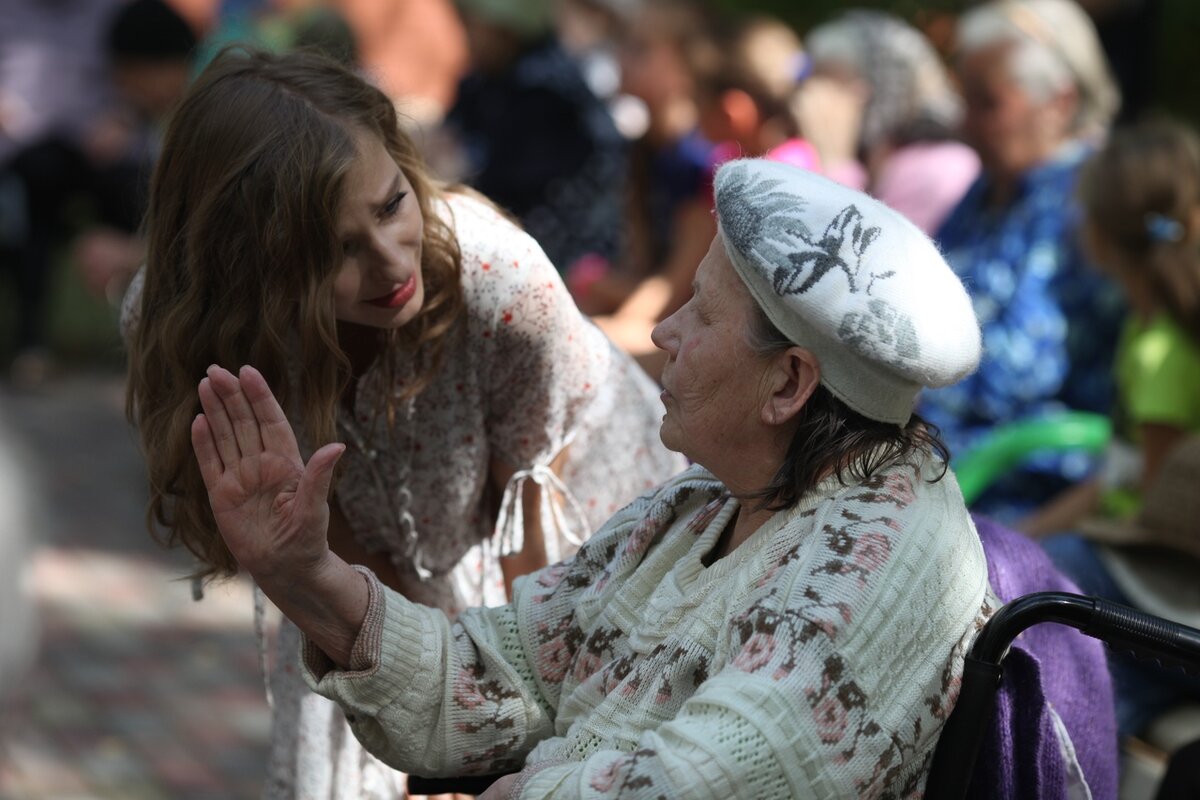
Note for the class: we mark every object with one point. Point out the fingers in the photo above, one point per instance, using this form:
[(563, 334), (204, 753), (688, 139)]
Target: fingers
[(245, 425), (318, 475), (273, 424), (219, 423), (205, 448)]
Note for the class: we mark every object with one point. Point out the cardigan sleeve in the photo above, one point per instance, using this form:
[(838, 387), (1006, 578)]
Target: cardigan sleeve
[(438, 699), (432, 698)]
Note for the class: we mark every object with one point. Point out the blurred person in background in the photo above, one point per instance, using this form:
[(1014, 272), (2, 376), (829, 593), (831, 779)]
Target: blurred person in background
[(280, 26), (744, 91), (533, 136), (1039, 98), (1141, 201), (746, 97), (592, 31), (905, 144), (84, 142), (414, 50), (668, 220), (1141, 198), (488, 426)]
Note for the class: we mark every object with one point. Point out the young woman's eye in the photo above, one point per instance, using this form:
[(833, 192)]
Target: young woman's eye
[(393, 205)]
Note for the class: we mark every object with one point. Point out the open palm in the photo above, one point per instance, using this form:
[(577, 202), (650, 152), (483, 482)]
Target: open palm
[(270, 508)]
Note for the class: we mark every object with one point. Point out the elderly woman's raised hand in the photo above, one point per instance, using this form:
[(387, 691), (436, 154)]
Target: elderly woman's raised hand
[(270, 507)]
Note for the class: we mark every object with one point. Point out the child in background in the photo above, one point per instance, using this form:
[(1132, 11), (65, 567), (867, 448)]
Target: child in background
[(747, 99), (668, 221), (1141, 197), (744, 88)]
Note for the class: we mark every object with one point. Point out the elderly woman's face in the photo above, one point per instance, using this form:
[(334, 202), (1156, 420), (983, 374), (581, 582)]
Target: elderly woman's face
[(712, 375), (1011, 131)]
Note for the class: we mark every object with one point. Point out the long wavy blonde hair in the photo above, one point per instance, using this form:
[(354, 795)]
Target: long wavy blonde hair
[(242, 255)]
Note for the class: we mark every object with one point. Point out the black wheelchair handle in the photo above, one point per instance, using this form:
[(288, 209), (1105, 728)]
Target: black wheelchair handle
[(1121, 627), (1146, 636)]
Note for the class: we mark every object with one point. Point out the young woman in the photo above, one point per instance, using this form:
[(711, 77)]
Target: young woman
[(489, 426)]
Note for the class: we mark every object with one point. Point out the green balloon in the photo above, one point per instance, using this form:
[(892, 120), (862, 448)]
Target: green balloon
[(1004, 448)]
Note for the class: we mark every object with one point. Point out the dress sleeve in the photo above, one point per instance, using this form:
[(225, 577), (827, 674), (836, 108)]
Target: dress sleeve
[(1164, 385), (543, 365)]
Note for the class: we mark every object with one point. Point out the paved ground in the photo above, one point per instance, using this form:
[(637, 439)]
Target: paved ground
[(136, 692)]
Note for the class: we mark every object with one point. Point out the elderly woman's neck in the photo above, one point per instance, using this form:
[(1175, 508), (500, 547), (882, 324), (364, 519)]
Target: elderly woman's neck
[(751, 515), (1004, 183), (749, 519)]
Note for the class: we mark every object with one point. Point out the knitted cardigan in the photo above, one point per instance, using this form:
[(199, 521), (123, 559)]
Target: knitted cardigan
[(818, 659)]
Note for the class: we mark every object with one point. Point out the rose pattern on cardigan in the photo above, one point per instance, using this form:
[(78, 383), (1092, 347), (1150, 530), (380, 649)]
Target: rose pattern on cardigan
[(607, 667)]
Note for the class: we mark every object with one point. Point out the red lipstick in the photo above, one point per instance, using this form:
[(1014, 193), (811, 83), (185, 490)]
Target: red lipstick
[(399, 296)]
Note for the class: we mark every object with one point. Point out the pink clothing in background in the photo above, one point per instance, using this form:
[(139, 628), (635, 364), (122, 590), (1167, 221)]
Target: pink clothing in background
[(796, 152), (925, 181)]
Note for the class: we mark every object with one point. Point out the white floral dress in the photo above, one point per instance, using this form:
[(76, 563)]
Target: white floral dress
[(528, 377)]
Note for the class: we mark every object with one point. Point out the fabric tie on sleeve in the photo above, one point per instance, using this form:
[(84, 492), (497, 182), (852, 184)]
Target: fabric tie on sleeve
[(509, 538)]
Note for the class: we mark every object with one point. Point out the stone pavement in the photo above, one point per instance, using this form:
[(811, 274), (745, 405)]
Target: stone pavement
[(136, 692)]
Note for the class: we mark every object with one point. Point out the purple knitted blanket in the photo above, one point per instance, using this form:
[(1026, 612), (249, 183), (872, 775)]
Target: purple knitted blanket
[(1051, 663)]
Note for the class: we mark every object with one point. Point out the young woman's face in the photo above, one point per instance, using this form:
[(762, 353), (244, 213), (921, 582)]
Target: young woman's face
[(380, 227)]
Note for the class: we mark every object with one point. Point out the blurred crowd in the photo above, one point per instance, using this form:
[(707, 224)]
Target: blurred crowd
[(1018, 134)]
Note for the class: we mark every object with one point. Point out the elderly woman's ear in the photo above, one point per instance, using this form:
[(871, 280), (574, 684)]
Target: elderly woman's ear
[(790, 378)]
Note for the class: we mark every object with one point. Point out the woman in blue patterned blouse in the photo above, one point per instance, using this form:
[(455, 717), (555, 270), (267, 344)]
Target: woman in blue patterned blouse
[(1038, 96)]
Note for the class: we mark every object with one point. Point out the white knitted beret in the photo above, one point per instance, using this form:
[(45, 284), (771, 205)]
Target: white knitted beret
[(843, 275)]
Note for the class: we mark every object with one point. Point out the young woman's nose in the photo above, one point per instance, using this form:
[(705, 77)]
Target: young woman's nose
[(386, 252)]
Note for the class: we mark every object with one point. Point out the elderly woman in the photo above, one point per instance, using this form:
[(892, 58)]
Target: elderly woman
[(909, 118), (1038, 96), (787, 618)]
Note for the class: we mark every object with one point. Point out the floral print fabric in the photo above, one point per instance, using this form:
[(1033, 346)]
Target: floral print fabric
[(820, 658)]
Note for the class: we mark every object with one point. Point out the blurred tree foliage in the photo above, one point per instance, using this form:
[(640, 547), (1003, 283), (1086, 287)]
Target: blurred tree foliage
[(1177, 59), (1159, 40)]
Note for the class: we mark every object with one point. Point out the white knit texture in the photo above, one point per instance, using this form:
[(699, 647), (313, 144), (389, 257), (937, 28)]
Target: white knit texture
[(817, 660), (854, 281)]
